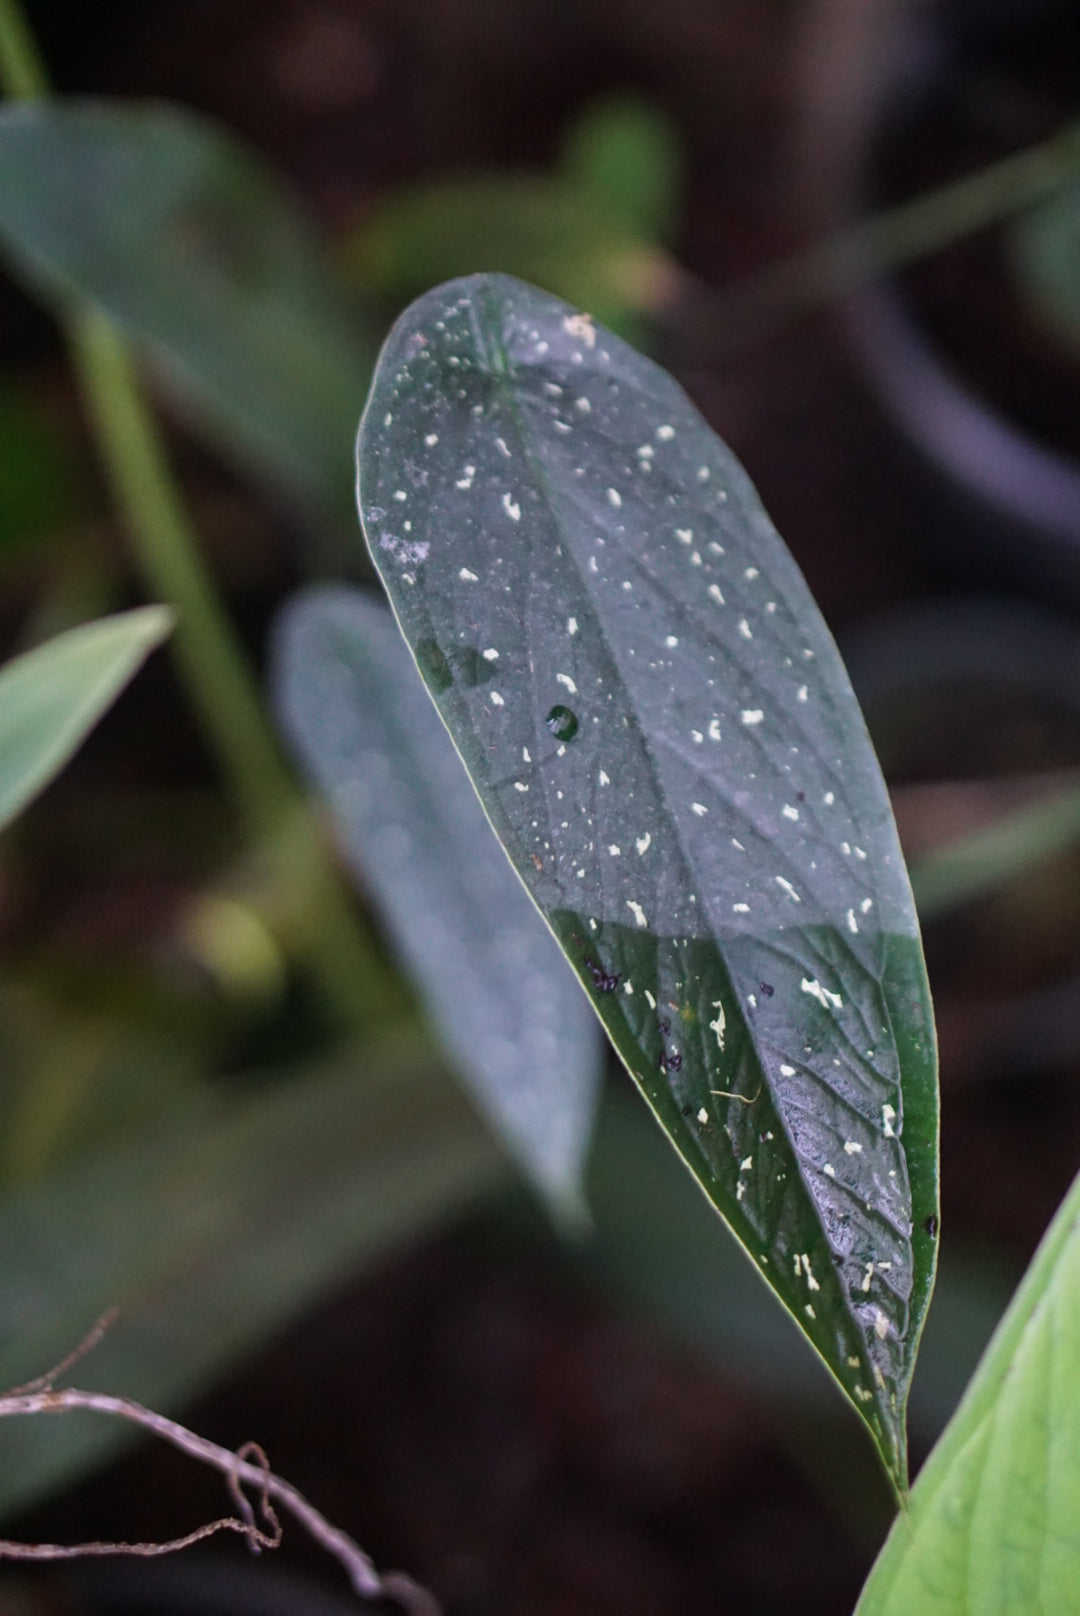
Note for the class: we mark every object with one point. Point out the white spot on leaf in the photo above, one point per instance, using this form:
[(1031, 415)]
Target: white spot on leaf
[(581, 327), (825, 996)]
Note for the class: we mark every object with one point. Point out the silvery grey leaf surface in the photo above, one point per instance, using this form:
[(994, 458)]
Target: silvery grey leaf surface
[(501, 996), (665, 740)]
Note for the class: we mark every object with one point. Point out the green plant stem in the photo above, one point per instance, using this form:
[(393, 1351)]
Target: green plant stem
[(218, 679), (729, 321), (168, 558), (343, 960), (22, 71)]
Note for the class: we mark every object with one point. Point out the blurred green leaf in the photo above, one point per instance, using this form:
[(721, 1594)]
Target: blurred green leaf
[(591, 232), (215, 1230), (624, 152), (506, 1006), (673, 757), (38, 480), (994, 1518), (535, 226), (186, 240), (1045, 249), (51, 697)]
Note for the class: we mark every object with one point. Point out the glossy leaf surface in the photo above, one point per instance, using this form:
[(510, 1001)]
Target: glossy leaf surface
[(506, 1006), (994, 1522), (671, 752), (51, 697), (179, 234)]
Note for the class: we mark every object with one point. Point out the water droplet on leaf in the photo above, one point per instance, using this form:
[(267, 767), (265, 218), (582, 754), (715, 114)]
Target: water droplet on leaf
[(562, 723)]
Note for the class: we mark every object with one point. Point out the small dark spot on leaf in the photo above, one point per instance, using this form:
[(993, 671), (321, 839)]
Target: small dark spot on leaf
[(671, 1063), (603, 981), (665, 1026), (766, 988), (686, 1110), (930, 1225), (433, 665)]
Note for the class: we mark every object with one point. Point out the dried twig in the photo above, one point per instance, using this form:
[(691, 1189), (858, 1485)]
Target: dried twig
[(246, 1468)]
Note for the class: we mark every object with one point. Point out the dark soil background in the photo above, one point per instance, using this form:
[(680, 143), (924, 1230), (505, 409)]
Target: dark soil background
[(473, 1413)]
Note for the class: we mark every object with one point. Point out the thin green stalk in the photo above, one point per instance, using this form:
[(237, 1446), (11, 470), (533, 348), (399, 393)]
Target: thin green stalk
[(984, 860), (730, 320), (343, 960), (216, 673), (167, 555)]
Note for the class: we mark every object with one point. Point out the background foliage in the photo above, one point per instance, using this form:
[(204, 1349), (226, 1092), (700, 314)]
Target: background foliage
[(195, 1017)]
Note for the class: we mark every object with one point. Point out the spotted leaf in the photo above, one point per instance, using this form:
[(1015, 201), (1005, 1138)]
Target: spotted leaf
[(667, 744)]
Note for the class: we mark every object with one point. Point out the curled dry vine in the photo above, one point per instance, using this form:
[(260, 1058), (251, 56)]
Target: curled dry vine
[(247, 1467)]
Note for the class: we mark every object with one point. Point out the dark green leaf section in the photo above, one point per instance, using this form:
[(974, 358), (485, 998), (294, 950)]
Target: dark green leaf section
[(184, 238), (713, 846), (497, 988)]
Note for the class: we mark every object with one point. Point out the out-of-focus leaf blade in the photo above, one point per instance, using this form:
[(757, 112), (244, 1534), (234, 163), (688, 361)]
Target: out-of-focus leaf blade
[(1045, 249), (624, 153), (51, 697), (508, 1010), (672, 755), (39, 474), (212, 1233), (542, 226), (179, 234), (994, 1519)]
